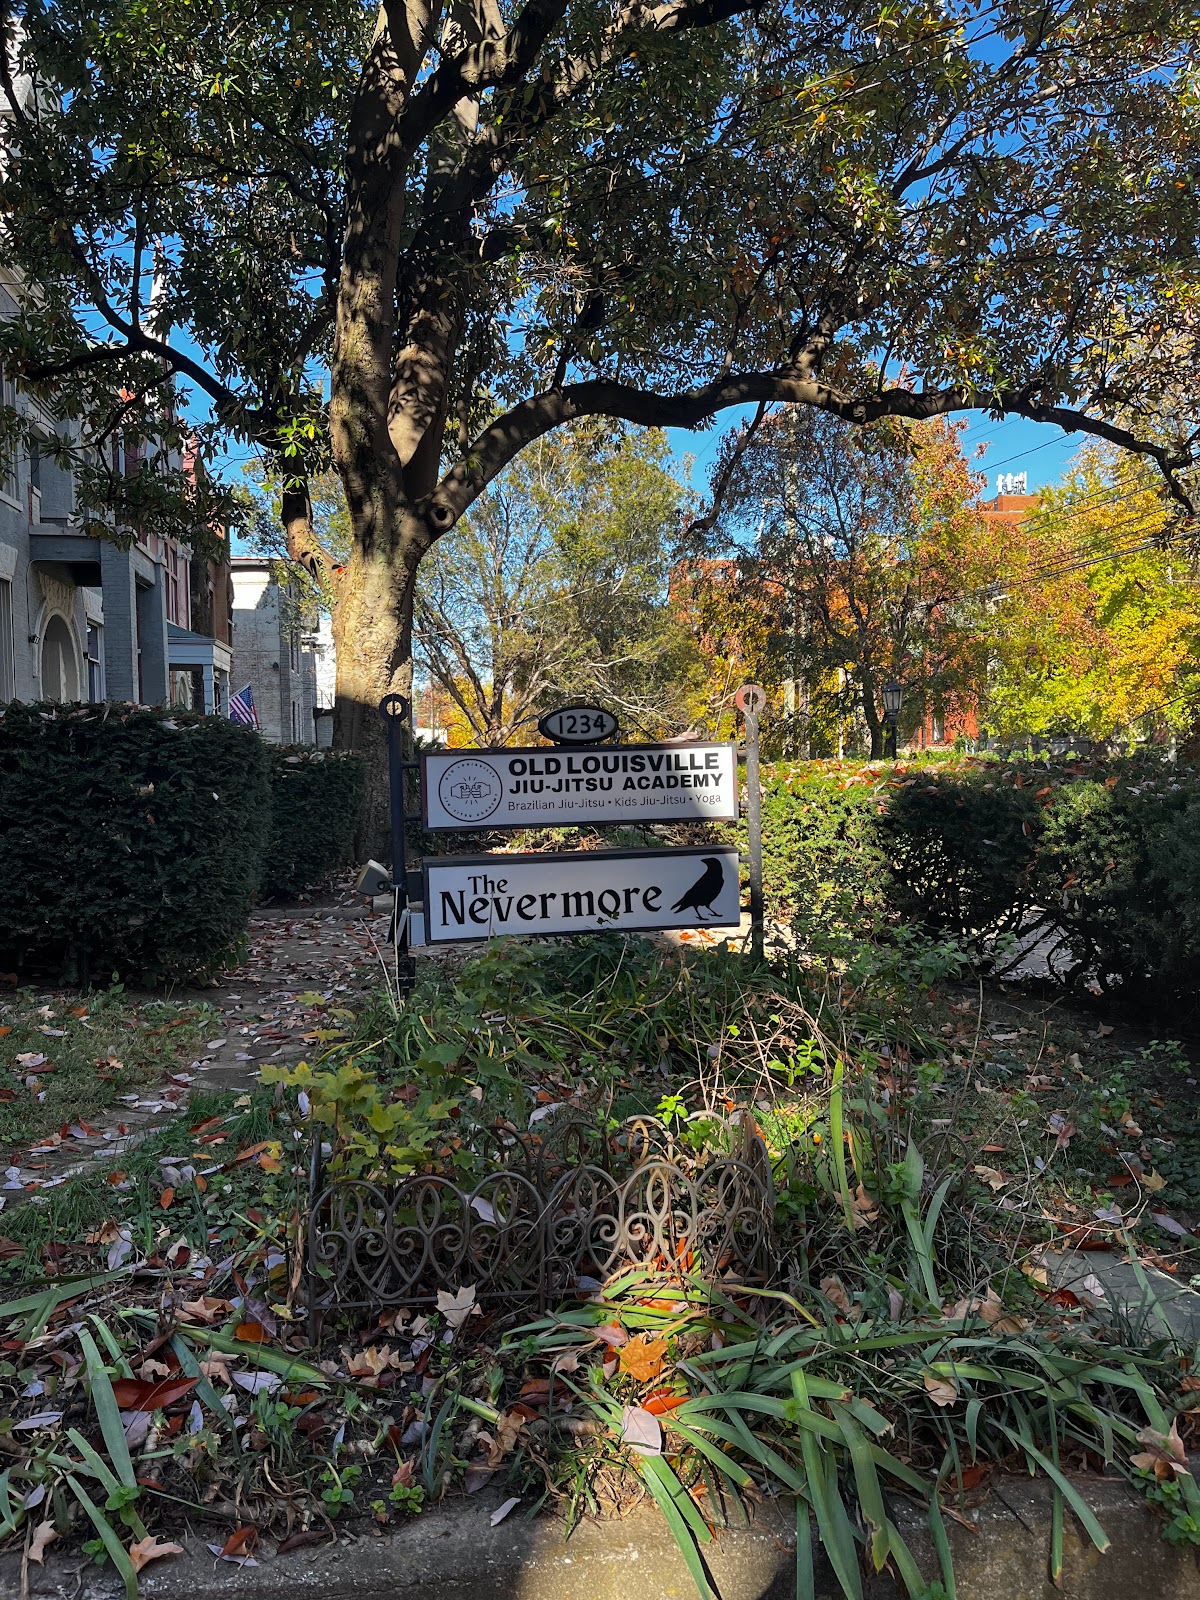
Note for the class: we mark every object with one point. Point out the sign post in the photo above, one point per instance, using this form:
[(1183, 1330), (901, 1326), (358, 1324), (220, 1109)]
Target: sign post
[(750, 700), (394, 709)]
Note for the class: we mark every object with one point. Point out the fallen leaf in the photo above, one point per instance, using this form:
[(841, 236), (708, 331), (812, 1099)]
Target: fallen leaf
[(1165, 1455), (256, 1382), (641, 1431), (241, 1542), (994, 1179), (565, 1361), (1153, 1180), (251, 1332), (1169, 1225), (642, 1358), (502, 1511), (42, 1536), (658, 1404), (206, 1309), (167, 1198), (612, 1335), (940, 1390), (508, 1430), (134, 1395), (298, 1540), (864, 1208), (456, 1308), (971, 1477), (151, 1548), (835, 1292)]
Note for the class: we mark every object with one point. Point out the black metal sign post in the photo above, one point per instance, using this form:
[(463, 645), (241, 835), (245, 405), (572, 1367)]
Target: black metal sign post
[(394, 710), (750, 700)]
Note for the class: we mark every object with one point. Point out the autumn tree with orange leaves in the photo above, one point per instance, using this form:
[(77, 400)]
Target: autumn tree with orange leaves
[(847, 557)]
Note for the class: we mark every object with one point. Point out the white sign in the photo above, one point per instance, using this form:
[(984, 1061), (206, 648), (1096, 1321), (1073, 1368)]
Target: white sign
[(581, 891), (560, 787)]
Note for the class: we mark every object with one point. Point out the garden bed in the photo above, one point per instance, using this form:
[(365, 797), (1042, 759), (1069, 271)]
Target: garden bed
[(910, 1344)]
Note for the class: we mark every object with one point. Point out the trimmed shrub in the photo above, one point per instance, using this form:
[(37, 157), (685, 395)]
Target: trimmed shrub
[(316, 798), (131, 840), (822, 859), (1120, 861), (961, 849), (1108, 856)]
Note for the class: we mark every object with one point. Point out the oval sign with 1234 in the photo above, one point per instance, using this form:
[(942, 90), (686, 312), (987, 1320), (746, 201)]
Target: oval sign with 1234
[(577, 725)]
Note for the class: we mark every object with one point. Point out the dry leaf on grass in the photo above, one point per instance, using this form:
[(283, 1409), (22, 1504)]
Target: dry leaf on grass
[(612, 1335), (642, 1358), (152, 1548), (508, 1430), (42, 1535), (1164, 1455), (864, 1208), (940, 1390), (369, 1363), (641, 1431), (206, 1309), (1153, 1180), (834, 1291), (994, 1179), (456, 1308)]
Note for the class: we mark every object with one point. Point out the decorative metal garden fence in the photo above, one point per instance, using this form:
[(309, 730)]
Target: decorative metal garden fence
[(559, 1210)]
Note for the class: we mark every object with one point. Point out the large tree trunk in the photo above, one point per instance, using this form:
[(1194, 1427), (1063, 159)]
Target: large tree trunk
[(373, 635)]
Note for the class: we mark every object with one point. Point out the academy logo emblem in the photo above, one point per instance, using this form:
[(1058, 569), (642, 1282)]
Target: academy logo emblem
[(470, 790)]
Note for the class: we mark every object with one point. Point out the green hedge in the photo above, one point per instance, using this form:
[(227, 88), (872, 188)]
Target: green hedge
[(1107, 855), (316, 799), (131, 840)]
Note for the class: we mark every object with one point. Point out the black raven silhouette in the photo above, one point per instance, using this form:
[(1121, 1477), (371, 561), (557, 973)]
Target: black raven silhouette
[(705, 889)]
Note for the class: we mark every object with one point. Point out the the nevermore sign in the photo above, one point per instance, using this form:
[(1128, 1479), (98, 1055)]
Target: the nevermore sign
[(558, 787), (480, 897)]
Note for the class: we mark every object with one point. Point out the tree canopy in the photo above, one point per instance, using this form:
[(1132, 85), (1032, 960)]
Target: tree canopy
[(413, 238), (1096, 629), (555, 586), (860, 556)]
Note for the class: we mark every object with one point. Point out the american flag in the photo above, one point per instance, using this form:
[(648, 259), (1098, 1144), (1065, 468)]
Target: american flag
[(241, 707)]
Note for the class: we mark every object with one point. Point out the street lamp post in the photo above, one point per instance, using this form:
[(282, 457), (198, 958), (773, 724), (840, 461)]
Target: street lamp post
[(893, 699)]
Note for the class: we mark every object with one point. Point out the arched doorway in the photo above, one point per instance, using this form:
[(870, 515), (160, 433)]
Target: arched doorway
[(60, 670)]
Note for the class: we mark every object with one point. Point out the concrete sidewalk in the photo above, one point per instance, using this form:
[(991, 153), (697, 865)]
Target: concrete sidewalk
[(454, 1553)]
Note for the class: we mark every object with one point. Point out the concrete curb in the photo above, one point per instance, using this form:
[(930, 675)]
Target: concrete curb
[(453, 1553)]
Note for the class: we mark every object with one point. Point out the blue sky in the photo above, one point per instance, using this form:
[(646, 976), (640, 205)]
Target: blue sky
[(1013, 445)]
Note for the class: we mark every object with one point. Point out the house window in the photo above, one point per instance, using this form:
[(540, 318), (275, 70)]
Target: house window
[(938, 722), (9, 483), (295, 723), (60, 679), (95, 674), (35, 482), (8, 685)]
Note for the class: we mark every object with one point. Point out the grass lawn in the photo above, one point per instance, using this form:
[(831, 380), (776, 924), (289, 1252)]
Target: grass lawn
[(65, 1058)]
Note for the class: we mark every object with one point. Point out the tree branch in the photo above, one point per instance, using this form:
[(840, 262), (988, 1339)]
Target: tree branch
[(530, 419)]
